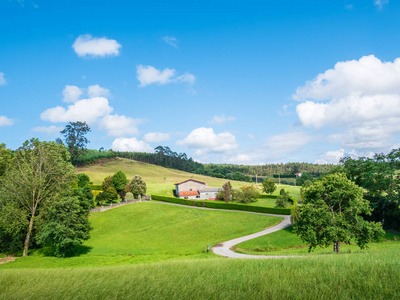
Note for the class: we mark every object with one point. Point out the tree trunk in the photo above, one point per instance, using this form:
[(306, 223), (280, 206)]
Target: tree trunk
[(28, 235), (336, 247)]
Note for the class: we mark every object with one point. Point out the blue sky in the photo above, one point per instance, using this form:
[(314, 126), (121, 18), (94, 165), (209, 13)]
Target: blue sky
[(245, 82)]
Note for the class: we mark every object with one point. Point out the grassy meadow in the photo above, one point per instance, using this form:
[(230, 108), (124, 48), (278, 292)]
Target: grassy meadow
[(157, 251), (148, 232)]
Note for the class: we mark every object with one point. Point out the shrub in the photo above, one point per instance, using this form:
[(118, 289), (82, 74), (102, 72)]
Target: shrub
[(106, 183), (103, 197), (113, 193), (83, 180), (247, 194), (96, 187), (129, 196)]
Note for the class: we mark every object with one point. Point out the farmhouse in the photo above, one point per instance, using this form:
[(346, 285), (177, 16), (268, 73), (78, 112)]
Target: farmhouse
[(195, 189)]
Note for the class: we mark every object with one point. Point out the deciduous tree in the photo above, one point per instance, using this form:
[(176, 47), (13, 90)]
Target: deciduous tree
[(332, 213), (269, 186), (137, 186), (75, 139)]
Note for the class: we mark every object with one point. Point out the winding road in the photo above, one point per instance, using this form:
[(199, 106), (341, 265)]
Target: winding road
[(224, 249)]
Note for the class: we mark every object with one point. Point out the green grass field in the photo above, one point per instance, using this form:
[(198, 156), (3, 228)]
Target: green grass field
[(148, 232), (157, 251)]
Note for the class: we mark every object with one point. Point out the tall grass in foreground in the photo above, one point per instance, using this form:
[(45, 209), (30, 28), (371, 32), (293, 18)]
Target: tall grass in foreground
[(364, 276)]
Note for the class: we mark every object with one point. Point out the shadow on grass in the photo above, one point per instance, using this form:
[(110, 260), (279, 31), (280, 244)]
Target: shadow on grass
[(78, 251)]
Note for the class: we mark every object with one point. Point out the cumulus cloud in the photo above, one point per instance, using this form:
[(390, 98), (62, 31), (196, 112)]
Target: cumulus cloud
[(155, 137), (48, 129), (221, 119), (288, 142), (148, 75), (88, 110), (117, 125), (4, 121), (170, 40), (362, 97), (379, 3), (2, 79), (331, 157), (205, 140), (72, 93), (131, 145), (89, 46), (97, 91)]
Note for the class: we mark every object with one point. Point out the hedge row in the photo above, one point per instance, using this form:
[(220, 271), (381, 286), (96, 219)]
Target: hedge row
[(96, 187), (223, 205)]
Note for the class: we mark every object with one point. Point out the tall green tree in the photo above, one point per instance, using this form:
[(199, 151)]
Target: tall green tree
[(75, 139), (119, 181), (83, 180), (332, 213), (268, 186), (5, 158), (39, 174), (137, 186)]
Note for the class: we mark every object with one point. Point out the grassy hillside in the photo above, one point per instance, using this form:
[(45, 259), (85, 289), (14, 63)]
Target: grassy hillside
[(159, 180), (149, 232)]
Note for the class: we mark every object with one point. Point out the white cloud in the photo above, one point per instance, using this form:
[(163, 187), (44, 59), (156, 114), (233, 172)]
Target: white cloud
[(117, 125), (367, 76), (88, 110), (72, 93), (148, 75), (2, 79), (221, 119), (48, 129), (88, 46), (379, 3), (4, 121), (171, 41), (331, 157), (97, 91), (362, 97), (205, 141), (288, 142), (131, 145), (155, 137)]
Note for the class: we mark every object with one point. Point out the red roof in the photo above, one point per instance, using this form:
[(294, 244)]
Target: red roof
[(191, 193), (188, 180)]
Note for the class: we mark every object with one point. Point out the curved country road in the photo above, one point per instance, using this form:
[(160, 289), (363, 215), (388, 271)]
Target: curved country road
[(223, 249)]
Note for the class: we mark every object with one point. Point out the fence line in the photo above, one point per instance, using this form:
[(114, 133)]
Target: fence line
[(104, 208)]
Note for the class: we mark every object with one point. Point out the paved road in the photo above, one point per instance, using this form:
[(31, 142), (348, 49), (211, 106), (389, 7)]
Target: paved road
[(224, 249)]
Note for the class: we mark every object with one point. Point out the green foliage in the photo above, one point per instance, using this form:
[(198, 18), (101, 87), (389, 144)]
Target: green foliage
[(96, 187), (103, 197), (331, 214), (107, 183), (74, 135), (129, 196), (379, 176), (246, 194), (283, 199), (31, 186), (83, 180), (113, 193), (226, 192), (119, 181), (223, 205), (304, 177), (5, 158), (137, 186), (268, 186), (66, 226)]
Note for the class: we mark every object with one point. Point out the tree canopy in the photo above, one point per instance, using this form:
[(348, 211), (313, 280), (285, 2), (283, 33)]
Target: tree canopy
[(38, 178), (75, 139), (332, 213), (268, 186)]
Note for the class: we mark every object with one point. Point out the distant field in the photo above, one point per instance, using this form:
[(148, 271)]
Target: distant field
[(149, 232), (160, 180)]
